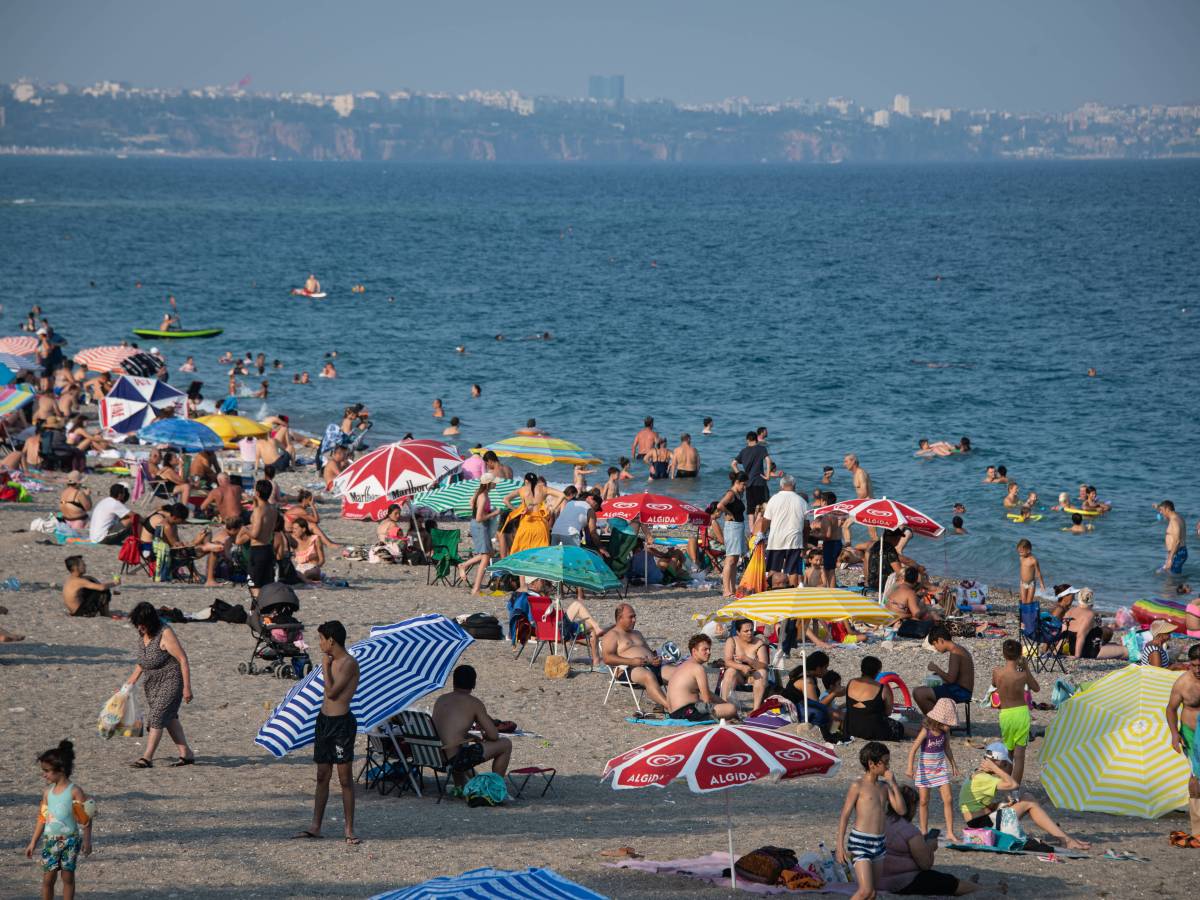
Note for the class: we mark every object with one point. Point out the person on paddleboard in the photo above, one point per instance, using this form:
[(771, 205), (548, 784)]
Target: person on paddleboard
[(170, 319), (312, 286)]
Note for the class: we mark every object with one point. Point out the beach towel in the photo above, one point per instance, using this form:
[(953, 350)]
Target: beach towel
[(677, 723), (1012, 851), (712, 869)]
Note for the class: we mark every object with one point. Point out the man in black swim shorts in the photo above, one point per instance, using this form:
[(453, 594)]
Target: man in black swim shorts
[(336, 728), (263, 519)]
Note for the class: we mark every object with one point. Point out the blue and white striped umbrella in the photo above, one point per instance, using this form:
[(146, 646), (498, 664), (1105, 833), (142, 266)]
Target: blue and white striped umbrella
[(397, 665), (486, 884)]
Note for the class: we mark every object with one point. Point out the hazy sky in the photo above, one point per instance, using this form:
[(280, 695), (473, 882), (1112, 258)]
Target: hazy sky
[(1014, 54)]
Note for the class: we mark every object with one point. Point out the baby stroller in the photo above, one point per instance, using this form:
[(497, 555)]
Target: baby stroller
[(278, 636)]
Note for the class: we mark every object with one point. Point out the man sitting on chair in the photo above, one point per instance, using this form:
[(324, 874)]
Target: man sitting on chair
[(623, 645), (688, 693), (455, 715)]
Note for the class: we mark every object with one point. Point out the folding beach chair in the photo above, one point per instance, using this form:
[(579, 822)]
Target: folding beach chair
[(385, 767), (130, 554), (1041, 639), (443, 556), (621, 545), (425, 750), (548, 629), (620, 677)]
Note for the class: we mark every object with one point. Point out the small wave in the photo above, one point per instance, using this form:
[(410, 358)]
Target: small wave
[(19, 201)]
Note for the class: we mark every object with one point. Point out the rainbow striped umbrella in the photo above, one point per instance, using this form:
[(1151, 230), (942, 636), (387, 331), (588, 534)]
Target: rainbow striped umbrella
[(1109, 748), (541, 450), (13, 397)]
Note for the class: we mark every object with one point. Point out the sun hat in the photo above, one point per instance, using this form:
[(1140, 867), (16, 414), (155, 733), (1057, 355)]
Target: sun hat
[(1161, 626), (944, 712), (487, 478), (998, 752)]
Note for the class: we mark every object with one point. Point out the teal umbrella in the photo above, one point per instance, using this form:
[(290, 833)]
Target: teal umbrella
[(456, 497), (562, 564)]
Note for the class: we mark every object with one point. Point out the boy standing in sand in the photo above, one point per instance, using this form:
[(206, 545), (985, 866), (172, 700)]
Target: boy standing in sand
[(1030, 570), (869, 800), (1011, 680)]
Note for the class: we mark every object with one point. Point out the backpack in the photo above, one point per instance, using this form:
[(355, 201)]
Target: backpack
[(485, 790), (483, 627)]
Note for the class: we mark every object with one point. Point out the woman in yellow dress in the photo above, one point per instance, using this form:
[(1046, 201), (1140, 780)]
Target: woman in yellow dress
[(534, 528)]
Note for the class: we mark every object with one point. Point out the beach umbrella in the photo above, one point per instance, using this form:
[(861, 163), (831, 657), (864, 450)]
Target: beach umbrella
[(18, 364), (829, 604), (13, 397), (561, 564), (232, 429), (717, 757), (457, 497), (490, 884), (397, 665), (183, 434), (880, 512), (7, 375), (133, 403), (1109, 749), (112, 359), (19, 345), (653, 509), (397, 470), (540, 449)]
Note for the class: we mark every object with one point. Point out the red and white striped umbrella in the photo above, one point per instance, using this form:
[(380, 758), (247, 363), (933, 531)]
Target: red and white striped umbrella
[(105, 359), (19, 345), (718, 757), (653, 509), (883, 513), (397, 470)]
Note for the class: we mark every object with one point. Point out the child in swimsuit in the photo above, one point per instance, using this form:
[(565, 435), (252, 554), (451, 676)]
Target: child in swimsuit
[(868, 799), (64, 809), (1030, 570)]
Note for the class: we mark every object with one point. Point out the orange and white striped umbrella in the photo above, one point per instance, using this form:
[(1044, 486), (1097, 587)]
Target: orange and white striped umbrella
[(20, 345), (105, 359)]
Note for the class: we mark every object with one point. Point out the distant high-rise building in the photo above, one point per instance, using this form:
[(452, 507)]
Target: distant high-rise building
[(609, 88), (882, 118), (900, 105)]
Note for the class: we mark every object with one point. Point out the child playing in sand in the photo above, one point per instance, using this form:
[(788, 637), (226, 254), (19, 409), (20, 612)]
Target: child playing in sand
[(63, 810), (1030, 570), (929, 769), (868, 800), (1011, 681)]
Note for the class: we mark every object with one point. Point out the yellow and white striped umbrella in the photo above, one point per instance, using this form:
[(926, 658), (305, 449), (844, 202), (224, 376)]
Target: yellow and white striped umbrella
[(828, 604), (1109, 749)]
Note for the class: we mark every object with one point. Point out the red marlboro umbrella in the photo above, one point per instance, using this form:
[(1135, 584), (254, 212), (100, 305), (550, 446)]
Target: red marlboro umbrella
[(718, 757), (396, 470), (654, 509)]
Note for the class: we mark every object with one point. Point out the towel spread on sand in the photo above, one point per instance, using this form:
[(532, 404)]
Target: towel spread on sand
[(677, 723), (712, 869)]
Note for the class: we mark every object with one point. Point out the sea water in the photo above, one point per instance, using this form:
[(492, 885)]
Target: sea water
[(846, 309)]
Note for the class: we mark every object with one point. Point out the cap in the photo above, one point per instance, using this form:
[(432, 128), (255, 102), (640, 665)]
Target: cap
[(1161, 626), (154, 351), (487, 478), (40, 331), (998, 752), (944, 712)]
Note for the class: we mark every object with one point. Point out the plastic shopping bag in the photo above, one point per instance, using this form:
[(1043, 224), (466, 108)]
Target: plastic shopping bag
[(131, 721), (112, 713)]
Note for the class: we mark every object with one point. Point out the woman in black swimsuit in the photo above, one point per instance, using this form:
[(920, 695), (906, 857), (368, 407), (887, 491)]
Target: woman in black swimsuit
[(869, 706), (75, 504)]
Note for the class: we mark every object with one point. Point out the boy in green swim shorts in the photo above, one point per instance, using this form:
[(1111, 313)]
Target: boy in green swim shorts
[(1011, 681)]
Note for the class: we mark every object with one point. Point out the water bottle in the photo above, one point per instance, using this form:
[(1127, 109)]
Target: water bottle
[(828, 869)]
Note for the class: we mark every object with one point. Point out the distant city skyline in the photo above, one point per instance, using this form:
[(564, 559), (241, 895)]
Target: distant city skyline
[(1022, 55)]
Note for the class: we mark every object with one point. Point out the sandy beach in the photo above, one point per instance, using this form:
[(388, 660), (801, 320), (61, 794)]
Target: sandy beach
[(222, 828)]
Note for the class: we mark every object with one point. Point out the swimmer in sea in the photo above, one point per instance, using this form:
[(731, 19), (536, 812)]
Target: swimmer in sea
[(451, 430), (1091, 373), (1011, 500), (926, 449), (989, 477), (1030, 504), (827, 475), (460, 349), (1077, 526), (304, 379), (959, 509), (957, 524), (964, 444), (476, 390), (708, 425), (1064, 500), (438, 412)]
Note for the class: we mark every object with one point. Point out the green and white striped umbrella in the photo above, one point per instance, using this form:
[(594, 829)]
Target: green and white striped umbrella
[(456, 497)]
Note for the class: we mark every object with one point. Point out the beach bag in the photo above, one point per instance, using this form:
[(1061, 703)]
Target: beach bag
[(979, 837), (914, 628), (47, 525), (1010, 824), (1062, 693), (765, 865), (1133, 641), (483, 627), (485, 790)]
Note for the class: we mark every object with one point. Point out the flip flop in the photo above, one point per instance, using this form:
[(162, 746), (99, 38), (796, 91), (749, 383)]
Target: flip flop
[(1178, 838), (183, 761), (353, 840), (141, 763), (307, 835), (1191, 842)]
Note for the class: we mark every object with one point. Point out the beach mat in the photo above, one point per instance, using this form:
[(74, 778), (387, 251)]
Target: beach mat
[(675, 723), (711, 869)]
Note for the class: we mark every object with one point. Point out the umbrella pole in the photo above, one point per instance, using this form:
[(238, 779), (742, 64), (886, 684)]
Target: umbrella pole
[(729, 827), (879, 597), (412, 514), (558, 618), (804, 663)]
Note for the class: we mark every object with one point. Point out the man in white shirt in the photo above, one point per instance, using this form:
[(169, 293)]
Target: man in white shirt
[(783, 520), (571, 521), (111, 517)]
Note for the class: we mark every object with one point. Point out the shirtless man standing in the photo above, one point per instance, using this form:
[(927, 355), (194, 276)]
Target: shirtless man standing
[(1186, 693), (455, 715), (644, 440), (83, 596), (623, 645), (688, 694), (336, 729), (1175, 540), (685, 460), (262, 537), (862, 490)]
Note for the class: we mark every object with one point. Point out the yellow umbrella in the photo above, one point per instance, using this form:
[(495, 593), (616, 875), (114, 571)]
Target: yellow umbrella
[(830, 604), (234, 428), (540, 450), (1109, 748)]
